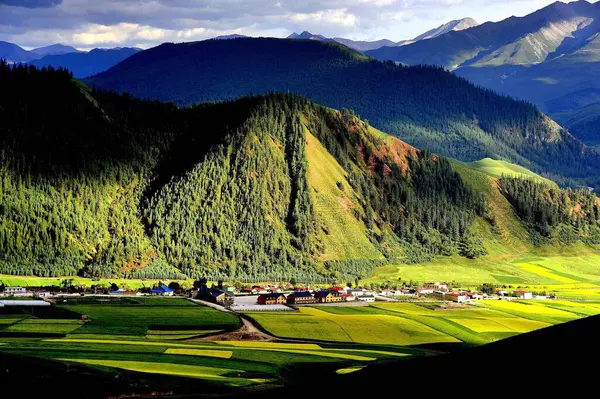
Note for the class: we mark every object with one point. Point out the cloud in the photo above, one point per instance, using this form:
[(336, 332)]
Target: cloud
[(144, 23), (31, 3)]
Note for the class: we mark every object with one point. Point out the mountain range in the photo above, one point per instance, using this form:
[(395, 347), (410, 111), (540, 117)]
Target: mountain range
[(261, 188), (425, 106), (550, 57), (363, 46), (84, 64), (81, 63)]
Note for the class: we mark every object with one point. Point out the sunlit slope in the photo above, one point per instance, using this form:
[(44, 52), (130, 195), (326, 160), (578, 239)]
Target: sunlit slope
[(335, 201), (498, 168)]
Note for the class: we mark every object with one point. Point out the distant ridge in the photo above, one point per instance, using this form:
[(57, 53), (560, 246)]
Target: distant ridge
[(54, 49), (363, 46), (550, 57), (452, 26)]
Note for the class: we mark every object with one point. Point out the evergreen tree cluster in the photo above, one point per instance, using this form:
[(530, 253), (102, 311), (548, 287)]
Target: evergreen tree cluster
[(564, 215)]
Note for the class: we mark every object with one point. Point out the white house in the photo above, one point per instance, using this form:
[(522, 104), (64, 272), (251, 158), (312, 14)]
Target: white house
[(366, 298), (15, 291), (524, 294), (356, 292), (43, 294)]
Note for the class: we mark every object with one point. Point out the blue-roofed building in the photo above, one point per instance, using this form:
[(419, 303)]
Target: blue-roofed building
[(163, 290)]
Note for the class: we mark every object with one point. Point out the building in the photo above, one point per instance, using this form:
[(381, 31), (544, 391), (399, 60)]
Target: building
[(275, 298), (300, 297), (162, 290), (43, 294), (455, 297), (357, 292), (436, 286), (348, 297), (15, 291), (328, 296), (437, 294), (524, 294), (366, 298)]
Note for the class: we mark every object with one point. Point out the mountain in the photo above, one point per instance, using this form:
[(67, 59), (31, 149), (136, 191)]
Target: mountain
[(308, 36), (261, 188), (424, 106), (228, 37), (12, 53), (550, 57), (86, 64), (363, 46), (54, 49), (452, 26)]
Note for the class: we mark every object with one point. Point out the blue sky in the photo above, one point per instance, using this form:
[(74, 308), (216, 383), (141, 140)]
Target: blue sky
[(144, 23)]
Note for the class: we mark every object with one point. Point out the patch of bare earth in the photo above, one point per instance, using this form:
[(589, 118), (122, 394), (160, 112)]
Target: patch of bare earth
[(247, 332)]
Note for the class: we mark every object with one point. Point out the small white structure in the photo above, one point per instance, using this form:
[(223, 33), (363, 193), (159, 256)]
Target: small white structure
[(366, 298), (43, 294), (524, 294), (15, 290), (356, 293)]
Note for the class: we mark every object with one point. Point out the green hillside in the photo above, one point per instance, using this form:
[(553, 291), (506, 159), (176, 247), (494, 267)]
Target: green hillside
[(498, 168), (264, 188)]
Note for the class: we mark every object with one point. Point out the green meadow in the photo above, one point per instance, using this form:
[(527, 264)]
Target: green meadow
[(164, 335), (160, 336), (411, 324)]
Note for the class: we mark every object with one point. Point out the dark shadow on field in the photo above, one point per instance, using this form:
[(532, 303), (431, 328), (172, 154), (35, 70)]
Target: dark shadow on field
[(542, 362), (52, 379)]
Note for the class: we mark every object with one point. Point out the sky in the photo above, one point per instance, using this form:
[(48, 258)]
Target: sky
[(86, 24)]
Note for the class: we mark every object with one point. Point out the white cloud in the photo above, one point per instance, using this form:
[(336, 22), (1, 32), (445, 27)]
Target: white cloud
[(340, 17), (87, 23)]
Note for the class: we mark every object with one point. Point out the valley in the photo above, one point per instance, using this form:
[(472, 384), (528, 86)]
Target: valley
[(165, 343), (255, 216)]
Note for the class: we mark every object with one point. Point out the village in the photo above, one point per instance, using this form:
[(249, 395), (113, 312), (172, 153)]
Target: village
[(283, 297)]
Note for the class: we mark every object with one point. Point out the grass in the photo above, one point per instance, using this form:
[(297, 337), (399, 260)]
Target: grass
[(208, 373), (353, 337), (342, 236), (316, 324), (549, 271), (32, 281), (497, 168), (142, 347), (160, 314), (200, 352), (58, 326)]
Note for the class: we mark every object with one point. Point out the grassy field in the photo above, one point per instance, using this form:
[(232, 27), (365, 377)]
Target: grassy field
[(412, 324), (32, 281), (158, 336), (497, 168)]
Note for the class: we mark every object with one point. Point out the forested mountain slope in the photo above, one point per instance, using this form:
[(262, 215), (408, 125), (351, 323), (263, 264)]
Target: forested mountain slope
[(550, 57), (262, 188), (426, 107)]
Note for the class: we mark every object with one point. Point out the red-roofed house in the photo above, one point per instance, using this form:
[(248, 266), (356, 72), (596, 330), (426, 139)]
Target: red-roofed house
[(348, 297), (524, 294)]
